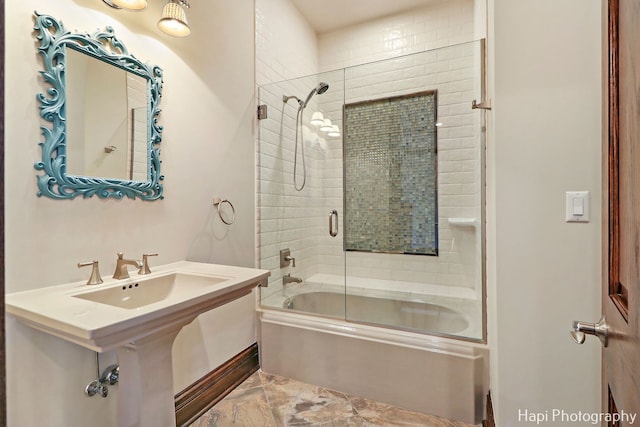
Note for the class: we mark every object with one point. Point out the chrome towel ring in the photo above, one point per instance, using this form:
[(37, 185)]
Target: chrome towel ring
[(218, 202)]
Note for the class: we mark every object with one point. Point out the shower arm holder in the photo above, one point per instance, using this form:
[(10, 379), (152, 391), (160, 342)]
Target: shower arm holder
[(486, 105)]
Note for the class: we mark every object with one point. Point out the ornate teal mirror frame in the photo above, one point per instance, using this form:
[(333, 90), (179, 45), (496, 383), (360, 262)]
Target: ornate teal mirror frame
[(104, 46)]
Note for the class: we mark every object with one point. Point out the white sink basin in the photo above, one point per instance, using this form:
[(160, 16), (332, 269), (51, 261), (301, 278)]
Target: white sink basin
[(138, 317), (140, 293), (103, 317)]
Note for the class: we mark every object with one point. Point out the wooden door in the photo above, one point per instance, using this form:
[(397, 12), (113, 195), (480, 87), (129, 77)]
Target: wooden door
[(621, 282)]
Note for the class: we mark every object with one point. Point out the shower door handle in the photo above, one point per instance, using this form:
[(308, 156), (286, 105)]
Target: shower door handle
[(333, 217)]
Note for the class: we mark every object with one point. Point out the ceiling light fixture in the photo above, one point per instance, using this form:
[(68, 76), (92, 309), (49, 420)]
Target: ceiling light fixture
[(127, 4), (174, 19)]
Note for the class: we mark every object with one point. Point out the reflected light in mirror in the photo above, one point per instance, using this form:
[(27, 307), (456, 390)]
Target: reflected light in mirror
[(326, 126), (130, 4), (109, 146), (317, 118), (174, 20), (335, 131)]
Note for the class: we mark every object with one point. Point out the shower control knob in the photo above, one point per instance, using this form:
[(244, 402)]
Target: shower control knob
[(580, 330), (286, 258), (292, 259)]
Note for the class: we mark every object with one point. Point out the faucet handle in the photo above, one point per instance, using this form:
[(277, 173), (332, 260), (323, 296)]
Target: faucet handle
[(95, 278), (144, 268)]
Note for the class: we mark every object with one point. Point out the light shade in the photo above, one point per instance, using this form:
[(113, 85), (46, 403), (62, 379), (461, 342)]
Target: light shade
[(174, 20), (335, 131), (326, 125), (129, 4), (317, 118)]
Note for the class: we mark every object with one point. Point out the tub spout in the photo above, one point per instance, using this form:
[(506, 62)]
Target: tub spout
[(288, 278)]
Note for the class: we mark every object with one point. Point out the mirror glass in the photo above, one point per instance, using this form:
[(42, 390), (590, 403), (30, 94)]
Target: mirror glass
[(102, 145), (103, 105)]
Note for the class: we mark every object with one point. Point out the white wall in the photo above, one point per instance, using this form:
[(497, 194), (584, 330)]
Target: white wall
[(207, 150), (545, 139)]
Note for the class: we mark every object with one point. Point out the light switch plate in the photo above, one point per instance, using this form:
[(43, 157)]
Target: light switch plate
[(577, 206)]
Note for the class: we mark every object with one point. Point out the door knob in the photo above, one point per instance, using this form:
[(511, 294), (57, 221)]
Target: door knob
[(582, 329)]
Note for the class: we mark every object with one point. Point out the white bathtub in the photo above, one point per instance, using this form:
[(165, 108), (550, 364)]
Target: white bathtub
[(396, 313), (425, 373), (441, 310)]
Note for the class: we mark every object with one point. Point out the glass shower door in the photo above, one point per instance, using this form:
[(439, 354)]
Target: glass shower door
[(414, 245), (370, 180), (300, 196)]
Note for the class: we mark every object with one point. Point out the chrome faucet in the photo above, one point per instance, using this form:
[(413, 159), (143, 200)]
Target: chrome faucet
[(121, 266)]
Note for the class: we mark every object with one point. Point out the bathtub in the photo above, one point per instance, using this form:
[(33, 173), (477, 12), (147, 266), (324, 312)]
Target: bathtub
[(426, 373), (412, 315)]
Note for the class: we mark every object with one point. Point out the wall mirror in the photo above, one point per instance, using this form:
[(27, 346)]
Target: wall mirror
[(103, 106), (390, 156)]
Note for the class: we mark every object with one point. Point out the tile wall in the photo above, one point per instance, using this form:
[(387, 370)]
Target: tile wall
[(392, 148), (299, 220)]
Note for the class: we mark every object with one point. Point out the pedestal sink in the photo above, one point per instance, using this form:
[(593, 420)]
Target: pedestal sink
[(138, 317)]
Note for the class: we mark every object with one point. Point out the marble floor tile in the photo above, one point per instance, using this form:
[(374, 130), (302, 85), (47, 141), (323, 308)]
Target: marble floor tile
[(296, 403), (243, 407), (270, 400), (381, 414)]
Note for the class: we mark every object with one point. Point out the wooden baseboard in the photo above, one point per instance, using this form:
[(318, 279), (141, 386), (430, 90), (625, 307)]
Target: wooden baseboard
[(490, 421), (203, 394)]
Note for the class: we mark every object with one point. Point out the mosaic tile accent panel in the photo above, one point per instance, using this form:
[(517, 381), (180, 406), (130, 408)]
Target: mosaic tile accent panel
[(390, 156)]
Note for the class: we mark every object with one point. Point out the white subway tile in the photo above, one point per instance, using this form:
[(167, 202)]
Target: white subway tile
[(306, 230)]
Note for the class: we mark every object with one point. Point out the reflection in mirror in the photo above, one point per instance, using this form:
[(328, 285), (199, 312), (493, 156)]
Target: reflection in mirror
[(103, 107), (98, 144), (138, 163), (390, 145)]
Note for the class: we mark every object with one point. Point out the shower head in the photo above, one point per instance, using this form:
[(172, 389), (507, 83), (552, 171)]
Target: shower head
[(320, 89)]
